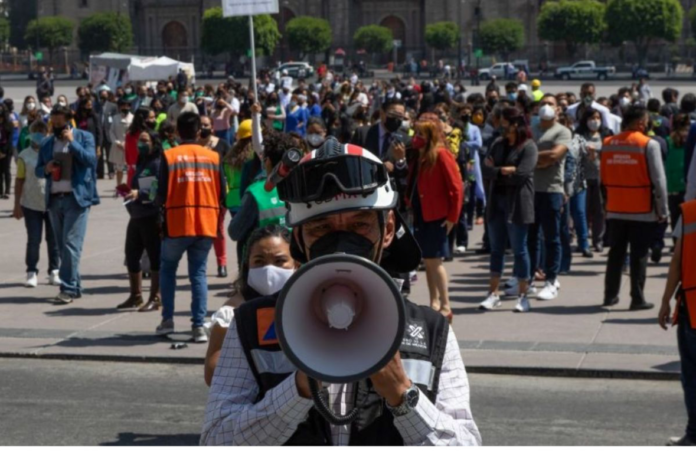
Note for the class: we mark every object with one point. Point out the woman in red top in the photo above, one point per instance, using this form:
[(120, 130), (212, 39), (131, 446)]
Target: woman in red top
[(435, 193), (144, 119)]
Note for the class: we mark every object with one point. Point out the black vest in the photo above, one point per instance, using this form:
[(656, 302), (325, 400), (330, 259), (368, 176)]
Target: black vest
[(422, 352)]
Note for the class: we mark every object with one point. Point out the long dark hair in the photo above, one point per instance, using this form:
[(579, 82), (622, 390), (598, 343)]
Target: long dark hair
[(515, 116), (157, 149), (240, 287), (138, 124), (6, 126), (680, 123), (584, 130)]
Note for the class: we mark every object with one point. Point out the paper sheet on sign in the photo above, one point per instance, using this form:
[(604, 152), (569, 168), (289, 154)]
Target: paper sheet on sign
[(249, 7)]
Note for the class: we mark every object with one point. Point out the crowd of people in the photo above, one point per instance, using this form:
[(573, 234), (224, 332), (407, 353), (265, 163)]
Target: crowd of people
[(548, 175)]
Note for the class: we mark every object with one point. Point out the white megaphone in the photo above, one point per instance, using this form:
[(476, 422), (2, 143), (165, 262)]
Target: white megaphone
[(340, 319)]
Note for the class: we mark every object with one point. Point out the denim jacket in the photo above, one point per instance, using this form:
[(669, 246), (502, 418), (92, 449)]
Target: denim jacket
[(84, 178)]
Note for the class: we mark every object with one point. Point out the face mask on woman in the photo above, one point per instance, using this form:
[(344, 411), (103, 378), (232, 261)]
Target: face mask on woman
[(143, 149), (419, 142), (594, 125), (269, 280), (315, 140), (31, 106)]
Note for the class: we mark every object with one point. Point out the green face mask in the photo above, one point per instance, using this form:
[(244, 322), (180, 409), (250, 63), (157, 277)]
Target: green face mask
[(143, 149)]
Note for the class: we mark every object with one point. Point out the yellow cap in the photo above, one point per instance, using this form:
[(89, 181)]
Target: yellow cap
[(244, 131), (536, 83)]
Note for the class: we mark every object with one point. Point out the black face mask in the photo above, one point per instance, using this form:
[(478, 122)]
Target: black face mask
[(392, 124), (58, 131), (152, 125), (205, 133), (466, 118), (492, 102), (348, 243)]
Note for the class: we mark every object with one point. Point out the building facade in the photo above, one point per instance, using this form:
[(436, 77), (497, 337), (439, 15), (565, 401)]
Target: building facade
[(173, 27)]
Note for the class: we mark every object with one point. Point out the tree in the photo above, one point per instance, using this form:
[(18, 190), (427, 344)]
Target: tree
[(307, 34), (105, 32), (642, 22), (442, 36), (575, 22), (502, 36), (50, 32), (692, 20), (4, 31), (231, 35), (21, 12), (374, 39)]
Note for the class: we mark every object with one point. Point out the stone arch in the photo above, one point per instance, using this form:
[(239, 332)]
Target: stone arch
[(174, 36), (398, 27)]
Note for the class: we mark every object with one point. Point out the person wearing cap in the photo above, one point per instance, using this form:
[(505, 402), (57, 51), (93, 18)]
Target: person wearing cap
[(252, 402), (537, 94)]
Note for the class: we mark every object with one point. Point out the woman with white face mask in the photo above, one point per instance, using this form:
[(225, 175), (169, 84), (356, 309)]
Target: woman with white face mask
[(266, 267), (28, 106), (316, 133)]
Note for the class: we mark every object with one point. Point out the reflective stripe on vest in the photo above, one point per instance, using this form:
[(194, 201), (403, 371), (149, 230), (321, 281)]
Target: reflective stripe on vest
[(625, 174), (421, 372), (194, 190), (271, 209), (688, 271)]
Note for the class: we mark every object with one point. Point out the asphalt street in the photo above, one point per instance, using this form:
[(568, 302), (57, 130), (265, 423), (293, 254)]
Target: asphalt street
[(91, 403)]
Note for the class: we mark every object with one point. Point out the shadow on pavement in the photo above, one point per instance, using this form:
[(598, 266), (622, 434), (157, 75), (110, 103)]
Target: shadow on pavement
[(673, 366), (568, 310), (646, 321), (139, 439), (24, 300), (122, 275), (115, 341), (69, 311)]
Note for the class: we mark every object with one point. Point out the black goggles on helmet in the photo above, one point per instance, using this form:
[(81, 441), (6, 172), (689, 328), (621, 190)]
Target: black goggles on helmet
[(325, 178)]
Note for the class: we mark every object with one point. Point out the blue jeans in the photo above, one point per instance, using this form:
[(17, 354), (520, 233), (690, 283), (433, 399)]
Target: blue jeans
[(566, 244), (224, 135), (686, 339), (547, 211), (578, 210), (499, 230), (197, 249), (35, 221), (69, 221)]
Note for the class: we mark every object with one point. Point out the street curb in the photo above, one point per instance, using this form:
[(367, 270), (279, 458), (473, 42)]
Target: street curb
[(496, 370)]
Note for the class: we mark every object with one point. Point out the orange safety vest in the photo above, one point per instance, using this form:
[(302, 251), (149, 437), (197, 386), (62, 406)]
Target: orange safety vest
[(625, 174), (688, 259), (194, 191)]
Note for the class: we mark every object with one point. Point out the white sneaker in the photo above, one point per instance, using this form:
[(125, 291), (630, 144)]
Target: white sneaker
[(54, 279), (557, 284), (515, 291), (549, 292), (512, 282), (492, 302), (523, 305), (32, 280), (460, 250)]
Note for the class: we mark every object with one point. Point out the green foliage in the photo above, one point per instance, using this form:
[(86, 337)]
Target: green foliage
[(442, 36), (643, 22), (231, 35), (50, 32), (574, 22), (503, 36), (692, 20), (4, 31), (21, 12), (307, 34), (374, 39), (105, 32)]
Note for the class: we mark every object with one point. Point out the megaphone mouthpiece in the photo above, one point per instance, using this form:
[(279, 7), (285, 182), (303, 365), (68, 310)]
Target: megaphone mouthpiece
[(340, 304)]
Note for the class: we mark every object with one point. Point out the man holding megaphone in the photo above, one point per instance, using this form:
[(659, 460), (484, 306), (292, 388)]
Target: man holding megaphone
[(338, 357)]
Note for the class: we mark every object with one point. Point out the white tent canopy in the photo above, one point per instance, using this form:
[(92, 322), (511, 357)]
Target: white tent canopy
[(117, 69), (155, 69)]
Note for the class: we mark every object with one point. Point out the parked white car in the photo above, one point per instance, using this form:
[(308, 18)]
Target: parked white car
[(585, 70)]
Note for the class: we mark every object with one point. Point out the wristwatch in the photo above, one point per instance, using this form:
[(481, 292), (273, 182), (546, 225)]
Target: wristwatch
[(409, 400)]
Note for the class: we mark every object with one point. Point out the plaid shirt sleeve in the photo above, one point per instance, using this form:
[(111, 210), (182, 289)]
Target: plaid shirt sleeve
[(232, 418), (449, 421)]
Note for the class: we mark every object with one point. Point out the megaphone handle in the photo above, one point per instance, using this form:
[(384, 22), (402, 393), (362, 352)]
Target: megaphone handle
[(324, 409)]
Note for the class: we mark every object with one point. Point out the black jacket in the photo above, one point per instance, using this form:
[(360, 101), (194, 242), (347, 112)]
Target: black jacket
[(518, 189)]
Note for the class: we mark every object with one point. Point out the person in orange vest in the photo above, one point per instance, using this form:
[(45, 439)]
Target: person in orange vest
[(682, 275), (191, 189), (636, 202)]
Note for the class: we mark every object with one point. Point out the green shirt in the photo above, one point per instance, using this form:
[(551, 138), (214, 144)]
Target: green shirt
[(271, 209), (674, 168)]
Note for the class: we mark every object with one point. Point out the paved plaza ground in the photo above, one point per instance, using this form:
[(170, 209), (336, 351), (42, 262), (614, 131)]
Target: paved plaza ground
[(570, 335)]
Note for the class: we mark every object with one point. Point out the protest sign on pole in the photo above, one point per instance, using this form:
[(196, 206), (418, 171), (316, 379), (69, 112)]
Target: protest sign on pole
[(250, 8)]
